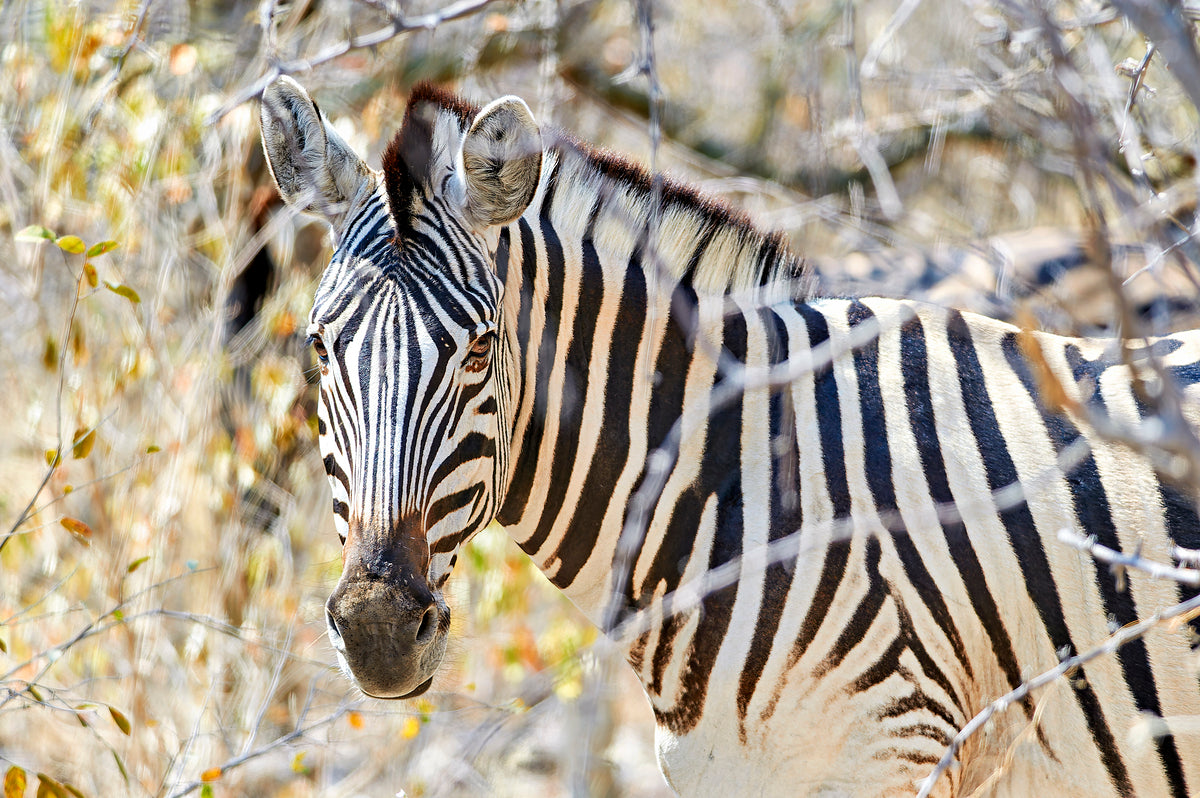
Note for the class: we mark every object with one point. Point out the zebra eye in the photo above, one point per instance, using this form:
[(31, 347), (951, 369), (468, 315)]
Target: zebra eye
[(319, 347), (481, 350)]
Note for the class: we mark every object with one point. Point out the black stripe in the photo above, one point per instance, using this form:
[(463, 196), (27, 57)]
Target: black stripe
[(612, 447), (517, 498), (1095, 517), (720, 476), (1024, 539), (1179, 509), (855, 630), (573, 396), (888, 664), (452, 503), (785, 518), (502, 254), (878, 462), (914, 356), (837, 553), (666, 407)]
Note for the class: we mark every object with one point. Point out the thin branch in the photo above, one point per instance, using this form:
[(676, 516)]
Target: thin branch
[(1110, 646), (397, 26), (1119, 560), (297, 733), (26, 514)]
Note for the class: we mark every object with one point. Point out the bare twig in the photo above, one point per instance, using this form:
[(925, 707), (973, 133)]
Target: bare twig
[(1166, 24), (1119, 560), (56, 460), (299, 732), (398, 25), (1110, 646)]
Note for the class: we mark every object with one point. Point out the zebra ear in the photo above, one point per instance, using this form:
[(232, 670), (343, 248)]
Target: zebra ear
[(313, 166), (501, 162)]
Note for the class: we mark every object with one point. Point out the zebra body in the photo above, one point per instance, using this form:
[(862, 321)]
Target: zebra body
[(509, 330)]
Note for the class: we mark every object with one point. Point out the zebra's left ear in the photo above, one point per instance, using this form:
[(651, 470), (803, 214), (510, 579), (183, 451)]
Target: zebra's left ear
[(501, 162), (314, 168)]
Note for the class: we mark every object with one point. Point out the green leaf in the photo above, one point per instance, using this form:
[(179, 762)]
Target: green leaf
[(35, 232), (152, 448), (121, 721), (75, 791), (100, 248), (206, 791), (123, 290), (121, 767), (72, 244), (133, 566)]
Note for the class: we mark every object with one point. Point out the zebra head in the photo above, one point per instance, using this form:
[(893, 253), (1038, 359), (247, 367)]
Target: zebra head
[(407, 328)]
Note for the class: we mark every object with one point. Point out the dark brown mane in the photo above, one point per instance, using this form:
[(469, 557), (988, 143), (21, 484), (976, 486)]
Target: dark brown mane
[(406, 158), (710, 212), (406, 169)]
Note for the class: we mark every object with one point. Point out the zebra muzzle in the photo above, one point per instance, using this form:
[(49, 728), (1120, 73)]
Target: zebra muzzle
[(389, 634)]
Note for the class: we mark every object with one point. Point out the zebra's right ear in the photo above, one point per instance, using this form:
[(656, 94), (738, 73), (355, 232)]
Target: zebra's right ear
[(501, 162), (314, 168)]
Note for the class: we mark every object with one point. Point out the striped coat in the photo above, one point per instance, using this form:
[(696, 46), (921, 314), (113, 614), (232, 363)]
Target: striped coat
[(515, 327)]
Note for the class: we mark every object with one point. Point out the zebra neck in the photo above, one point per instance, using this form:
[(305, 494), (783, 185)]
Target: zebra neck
[(602, 337)]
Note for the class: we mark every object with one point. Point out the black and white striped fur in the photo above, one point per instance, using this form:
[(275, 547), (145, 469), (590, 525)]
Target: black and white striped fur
[(511, 325)]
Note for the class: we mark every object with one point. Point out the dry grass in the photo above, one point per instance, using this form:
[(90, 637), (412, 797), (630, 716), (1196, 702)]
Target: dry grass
[(161, 598)]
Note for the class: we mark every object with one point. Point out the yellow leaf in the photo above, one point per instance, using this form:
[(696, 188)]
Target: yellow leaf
[(125, 291), (49, 788), (152, 448), (298, 765), (212, 774), (75, 527), (84, 440), (89, 273), (133, 566), (355, 719), (50, 354), (14, 783), (411, 728), (72, 244), (121, 721), (52, 457)]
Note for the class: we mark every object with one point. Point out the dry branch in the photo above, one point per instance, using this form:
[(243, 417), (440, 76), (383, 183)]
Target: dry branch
[(398, 25)]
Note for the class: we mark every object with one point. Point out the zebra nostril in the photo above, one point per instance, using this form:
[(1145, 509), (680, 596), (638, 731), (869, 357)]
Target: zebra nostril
[(428, 626)]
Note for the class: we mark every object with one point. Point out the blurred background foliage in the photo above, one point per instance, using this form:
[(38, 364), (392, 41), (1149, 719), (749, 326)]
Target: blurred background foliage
[(168, 544)]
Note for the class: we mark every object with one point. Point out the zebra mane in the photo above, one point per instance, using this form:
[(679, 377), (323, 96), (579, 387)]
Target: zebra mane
[(725, 251)]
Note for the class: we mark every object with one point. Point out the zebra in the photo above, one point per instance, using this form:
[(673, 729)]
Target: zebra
[(517, 327)]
